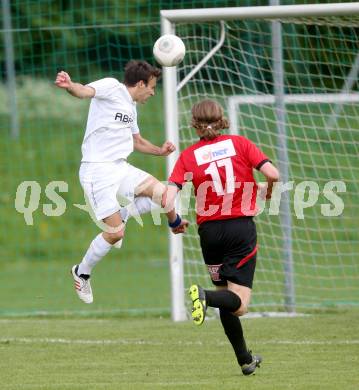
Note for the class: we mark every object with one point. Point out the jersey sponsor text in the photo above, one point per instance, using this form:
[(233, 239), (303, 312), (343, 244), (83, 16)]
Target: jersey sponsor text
[(123, 117), (213, 152)]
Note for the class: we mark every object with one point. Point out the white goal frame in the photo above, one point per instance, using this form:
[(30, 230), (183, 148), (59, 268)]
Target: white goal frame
[(169, 18)]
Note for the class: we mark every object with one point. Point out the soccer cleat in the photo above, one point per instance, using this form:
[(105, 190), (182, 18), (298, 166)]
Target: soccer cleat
[(199, 306), (249, 368), (82, 285)]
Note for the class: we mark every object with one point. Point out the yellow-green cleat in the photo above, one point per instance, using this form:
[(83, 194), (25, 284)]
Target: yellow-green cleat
[(199, 306)]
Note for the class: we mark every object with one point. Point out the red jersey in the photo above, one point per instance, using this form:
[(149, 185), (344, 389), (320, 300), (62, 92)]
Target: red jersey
[(221, 171)]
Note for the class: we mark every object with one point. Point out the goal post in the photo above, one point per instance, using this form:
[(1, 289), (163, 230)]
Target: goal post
[(287, 77)]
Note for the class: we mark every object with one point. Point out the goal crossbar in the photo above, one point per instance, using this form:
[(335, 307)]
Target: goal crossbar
[(261, 12), (297, 98)]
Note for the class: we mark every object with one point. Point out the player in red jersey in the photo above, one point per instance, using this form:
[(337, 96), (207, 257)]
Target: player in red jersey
[(221, 170)]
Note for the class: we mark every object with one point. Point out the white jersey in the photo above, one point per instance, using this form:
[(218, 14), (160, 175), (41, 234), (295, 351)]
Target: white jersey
[(111, 122)]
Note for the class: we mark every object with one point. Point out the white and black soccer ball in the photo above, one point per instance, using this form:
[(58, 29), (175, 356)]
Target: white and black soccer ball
[(169, 50)]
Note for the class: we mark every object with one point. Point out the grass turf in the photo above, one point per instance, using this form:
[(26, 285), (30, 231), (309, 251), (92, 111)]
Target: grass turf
[(312, 352)]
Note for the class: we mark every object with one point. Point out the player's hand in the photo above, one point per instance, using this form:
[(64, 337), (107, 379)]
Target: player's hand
[(263, 191), (63, 80), (167, 148), (181, 228)]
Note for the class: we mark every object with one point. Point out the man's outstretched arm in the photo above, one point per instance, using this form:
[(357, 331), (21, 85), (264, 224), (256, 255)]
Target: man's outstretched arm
[(144, 146), (78, 90), (272, 175), (175, 222)]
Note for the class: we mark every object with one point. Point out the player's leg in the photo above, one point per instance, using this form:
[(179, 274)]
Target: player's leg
[(147, 192), (226, 300), (106, 208), (244, 293), (224, 241), (229, 251), (215, 244), (234, 298), (102, 243), (98, 248), (233, 329), (140, 205), (117, 232), (221, 299)]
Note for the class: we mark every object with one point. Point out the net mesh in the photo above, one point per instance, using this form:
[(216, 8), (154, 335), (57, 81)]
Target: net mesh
[(90, 40), (321, 66)]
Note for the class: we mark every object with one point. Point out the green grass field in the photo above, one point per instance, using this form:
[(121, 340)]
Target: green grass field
[(313, 352)]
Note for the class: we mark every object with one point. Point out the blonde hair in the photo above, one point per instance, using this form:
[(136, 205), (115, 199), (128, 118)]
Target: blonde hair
[(208, 119)]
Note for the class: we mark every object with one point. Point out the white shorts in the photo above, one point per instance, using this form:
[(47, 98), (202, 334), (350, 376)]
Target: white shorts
[(109, 186)]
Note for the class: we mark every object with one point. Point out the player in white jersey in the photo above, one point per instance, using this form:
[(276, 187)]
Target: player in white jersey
[(111, 135)]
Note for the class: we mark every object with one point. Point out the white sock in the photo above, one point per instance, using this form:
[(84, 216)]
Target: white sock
[(98, 248), (141, 205)]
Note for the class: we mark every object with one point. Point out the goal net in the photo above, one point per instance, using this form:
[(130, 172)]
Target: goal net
[(288, 81)]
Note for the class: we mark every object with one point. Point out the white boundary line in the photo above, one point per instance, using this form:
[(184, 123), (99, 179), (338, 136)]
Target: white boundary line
[(45, 340), (128, 313), (84, 313)]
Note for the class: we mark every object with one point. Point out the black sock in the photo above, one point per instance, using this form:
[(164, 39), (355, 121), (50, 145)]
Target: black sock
[(83, 276), (233, 330), (223, 299)]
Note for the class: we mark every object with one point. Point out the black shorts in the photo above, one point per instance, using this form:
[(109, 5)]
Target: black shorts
[(229, 250)]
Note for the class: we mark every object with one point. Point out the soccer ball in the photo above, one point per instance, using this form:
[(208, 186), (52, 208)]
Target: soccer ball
[(169, 50)]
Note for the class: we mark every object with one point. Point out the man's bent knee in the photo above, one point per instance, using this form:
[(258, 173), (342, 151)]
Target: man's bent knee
[(112, 238), (244, 294), (152, 188), (241, 311)]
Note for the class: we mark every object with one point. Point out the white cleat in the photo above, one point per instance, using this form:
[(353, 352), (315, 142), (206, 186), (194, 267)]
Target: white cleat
[(82, 286)]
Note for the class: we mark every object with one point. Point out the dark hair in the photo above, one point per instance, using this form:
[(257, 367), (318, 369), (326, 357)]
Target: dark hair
[(136, 71), (208, 119)]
